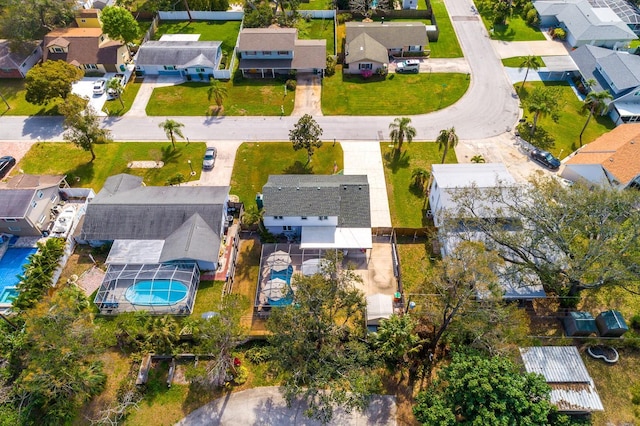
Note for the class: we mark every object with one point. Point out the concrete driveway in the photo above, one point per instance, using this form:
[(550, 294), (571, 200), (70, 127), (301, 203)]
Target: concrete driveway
[(221, 172), (308, 95), (265, 406), (84, 88), (509, 49)]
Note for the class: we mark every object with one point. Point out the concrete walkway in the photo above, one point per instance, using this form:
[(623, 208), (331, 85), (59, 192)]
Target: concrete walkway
[(138, 108), (308, 96), (265, 407), (365, 158)]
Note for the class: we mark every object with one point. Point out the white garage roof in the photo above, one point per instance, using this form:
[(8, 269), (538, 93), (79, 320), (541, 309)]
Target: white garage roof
[(328, 237), (135, 252)]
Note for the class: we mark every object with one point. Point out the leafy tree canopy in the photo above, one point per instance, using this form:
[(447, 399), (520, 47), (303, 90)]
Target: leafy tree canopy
[(26, 20), (51, 80), (119, 24), (484, 391), (83, 129), (306, 135)]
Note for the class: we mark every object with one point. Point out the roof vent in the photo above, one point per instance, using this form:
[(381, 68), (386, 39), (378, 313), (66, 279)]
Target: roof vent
[(611, 159), (359, 187), (279, 188), (318, 188), (298, 188), (632, 141)]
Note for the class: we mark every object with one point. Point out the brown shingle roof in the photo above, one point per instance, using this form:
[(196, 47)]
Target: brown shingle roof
[(617, 151), (267, 39), (84, 46)]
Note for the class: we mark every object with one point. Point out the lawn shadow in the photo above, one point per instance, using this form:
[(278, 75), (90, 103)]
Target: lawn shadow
[(170, 155), (82, 173), (396, 160), (503, 33), (298, 168)]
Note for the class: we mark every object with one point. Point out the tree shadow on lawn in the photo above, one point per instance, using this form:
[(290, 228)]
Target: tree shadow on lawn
[(396, 160), (298, 168), (82, 173), (503, 33), (171, 155)]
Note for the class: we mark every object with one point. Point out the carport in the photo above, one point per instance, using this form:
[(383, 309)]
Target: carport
[(557, 67)]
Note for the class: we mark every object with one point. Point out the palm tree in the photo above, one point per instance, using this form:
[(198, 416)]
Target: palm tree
[(115, 85), (541, 102), (401, 130), (217, 91), (419, 178), (172, 128), (447, 139), (595, 102), (478, 159), (530, 63)]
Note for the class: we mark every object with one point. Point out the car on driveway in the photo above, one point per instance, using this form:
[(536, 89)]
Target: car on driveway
[(209, 158), (111, 93), (6, 163), (409, 66), (99, 86), (545, 158)]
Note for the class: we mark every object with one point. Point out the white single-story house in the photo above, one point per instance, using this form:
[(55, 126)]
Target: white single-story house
[(177, 56)]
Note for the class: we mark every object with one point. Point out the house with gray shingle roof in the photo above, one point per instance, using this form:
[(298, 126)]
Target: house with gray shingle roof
[(323, 211), (585, 24), (186, 221), (266, 52), (368, 45), (614, 71), (15, 61), (179, 57)]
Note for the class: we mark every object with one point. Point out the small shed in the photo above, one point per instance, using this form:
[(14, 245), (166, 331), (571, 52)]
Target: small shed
[(579, 324), (379, 307), (611, 324)]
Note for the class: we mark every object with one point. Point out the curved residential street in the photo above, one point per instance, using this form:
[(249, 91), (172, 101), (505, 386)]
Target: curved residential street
[(489, 107)]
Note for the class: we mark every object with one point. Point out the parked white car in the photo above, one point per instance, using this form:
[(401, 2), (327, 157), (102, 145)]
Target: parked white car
[(98, 86), (408, 66)]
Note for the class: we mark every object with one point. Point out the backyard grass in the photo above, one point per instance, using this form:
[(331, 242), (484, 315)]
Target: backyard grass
[(344, 94), (13, 91), (447, 45), (246, 281), (517, 60), (224, 31), (316, 5), (255, 161), (112, 159), (571, 119), (317, 29), (516, 29), (244, 97), (416, 259), (114, 107), (407, 205), (208, 297)]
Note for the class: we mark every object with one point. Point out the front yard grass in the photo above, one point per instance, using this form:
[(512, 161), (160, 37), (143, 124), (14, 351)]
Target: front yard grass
[(13, 91), (566, 130), (255, 161), (317, 29), (447, 45), (515, 61), (114, 107), (398, 94), (245, 96), (516, 29), (224, 31), (111, 159), (407, 205)]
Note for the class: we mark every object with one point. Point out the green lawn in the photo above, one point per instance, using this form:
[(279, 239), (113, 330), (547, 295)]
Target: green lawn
[(317, 29), (316, 5), (515, 30), (567, 129), (407, 205), (13, 92), (416, 260), (256, 161), (398, 94), (224, 31), (254, 96), (111, 159), (517, 60), (115, 108), (208, 297), (447, 45)]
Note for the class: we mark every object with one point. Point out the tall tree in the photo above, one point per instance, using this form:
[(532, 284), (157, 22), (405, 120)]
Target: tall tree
[(484, 391), (397, 343), (447, 139), (217, 91), (530, 62), (51, 80), (115, 85), (306, 135), (401, 129), (26, 20), (318, 346), (570, 239), (83, 129), (368, 8), (595, 102), (171, 129), (542, 102), (119, 24)]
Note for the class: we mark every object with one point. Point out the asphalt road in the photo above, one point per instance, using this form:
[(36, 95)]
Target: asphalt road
[(489, 107)]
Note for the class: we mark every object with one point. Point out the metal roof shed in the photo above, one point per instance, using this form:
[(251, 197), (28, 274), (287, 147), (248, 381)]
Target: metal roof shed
[(611, 324), (572, 389), (579, 324)]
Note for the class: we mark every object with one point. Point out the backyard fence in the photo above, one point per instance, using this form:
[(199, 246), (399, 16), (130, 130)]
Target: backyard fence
[(201, 16)]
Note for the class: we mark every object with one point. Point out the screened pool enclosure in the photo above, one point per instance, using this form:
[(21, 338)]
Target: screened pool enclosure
[(168, 288)]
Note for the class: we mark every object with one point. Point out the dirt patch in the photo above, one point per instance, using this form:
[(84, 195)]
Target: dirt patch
[(91, 280)]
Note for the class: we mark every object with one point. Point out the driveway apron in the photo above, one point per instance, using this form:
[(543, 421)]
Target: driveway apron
[(308, 95)]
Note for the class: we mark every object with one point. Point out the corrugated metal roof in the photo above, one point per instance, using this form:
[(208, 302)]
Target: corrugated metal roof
[(575, 397), (558, 364)]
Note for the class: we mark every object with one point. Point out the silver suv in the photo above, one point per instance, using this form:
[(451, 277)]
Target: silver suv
[(408, 66)]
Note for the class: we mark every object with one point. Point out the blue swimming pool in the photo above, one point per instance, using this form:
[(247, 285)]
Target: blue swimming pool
[(10, 267), (156, 293)]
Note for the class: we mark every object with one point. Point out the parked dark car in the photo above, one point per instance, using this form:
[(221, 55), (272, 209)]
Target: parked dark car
[(6, 163), (545, 158)]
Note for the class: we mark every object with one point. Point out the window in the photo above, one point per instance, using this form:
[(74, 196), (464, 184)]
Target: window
[(34, 204), (15, 229), (415, 48), (199, 69), (83, 20), (56, 49), (303, 217), (10, 220), (266, 52), (365, 66), (39, 194), (283, 52), (42, 218), (169, 67), (90, 66), (54, 197), (323, 217), (250, 53), (102, 38), (277, 217), (286, 228)]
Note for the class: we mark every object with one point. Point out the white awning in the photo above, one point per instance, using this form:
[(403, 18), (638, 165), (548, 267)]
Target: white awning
[(379, 306), (328, 237), (135, 252)]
